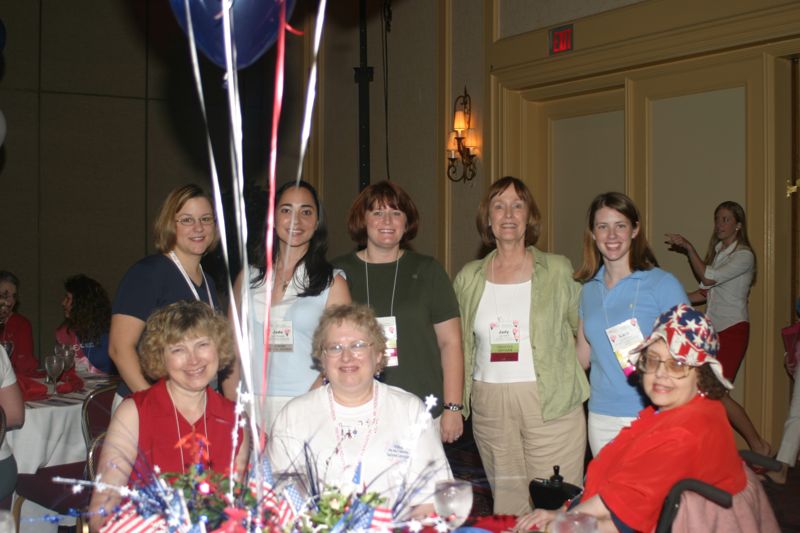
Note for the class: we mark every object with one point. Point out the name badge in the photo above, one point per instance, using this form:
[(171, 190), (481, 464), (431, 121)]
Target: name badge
[(504, 339), (281, 337), (389, 325), (624, 337)]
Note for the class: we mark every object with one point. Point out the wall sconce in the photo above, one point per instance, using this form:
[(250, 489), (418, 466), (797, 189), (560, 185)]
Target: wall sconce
[(462, 143)]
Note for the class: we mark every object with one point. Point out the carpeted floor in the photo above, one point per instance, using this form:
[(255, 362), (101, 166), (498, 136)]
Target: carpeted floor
[(466, 464)]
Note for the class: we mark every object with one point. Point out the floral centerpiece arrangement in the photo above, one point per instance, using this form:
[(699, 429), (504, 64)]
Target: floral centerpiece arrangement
[(202, 500)]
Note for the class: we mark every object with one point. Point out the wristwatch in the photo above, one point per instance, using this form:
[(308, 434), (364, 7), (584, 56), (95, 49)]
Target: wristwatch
[(453, 406)]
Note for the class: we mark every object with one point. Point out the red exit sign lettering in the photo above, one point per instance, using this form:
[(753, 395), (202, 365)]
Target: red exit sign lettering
[(560, 39)]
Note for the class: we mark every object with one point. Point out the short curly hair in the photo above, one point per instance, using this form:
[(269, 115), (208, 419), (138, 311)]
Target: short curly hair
[(709, 384), (176, 322), (359, 315)]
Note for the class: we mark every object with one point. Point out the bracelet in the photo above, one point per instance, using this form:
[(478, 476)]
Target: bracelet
[(453, 406)]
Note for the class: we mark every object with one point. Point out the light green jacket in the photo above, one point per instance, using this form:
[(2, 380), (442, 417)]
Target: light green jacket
[(555, 298)]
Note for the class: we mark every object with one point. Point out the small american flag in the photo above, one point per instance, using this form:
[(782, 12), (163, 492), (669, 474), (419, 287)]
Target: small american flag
[(128, 520)]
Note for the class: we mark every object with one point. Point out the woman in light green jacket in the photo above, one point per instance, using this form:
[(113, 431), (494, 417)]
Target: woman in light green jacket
[(523, 382)]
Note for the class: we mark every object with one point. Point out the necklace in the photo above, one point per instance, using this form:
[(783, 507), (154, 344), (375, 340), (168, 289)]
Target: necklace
[(394, 284), (341, 435), (178, 425)]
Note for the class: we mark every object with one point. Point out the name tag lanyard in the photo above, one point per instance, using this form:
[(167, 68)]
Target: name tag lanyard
[(624, 336), (502, 347), (189, 281), (389, 324)]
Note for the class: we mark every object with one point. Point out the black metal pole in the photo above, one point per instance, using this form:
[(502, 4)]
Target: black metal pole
[(363, 76)]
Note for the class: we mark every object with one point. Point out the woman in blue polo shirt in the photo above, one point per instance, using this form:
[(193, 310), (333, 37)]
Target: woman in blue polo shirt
[(624, 292)]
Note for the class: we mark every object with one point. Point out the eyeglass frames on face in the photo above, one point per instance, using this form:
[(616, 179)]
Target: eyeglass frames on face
[(357, 349), (675, 369), (205, 220)]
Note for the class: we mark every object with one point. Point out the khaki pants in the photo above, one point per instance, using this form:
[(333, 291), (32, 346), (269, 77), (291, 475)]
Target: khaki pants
[(516, 445)]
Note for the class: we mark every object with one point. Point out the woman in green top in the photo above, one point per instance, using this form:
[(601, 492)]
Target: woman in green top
[(413, 299)]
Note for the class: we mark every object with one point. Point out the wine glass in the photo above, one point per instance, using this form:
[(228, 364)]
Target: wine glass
[(54, 366), (453, 501), (69, 356)]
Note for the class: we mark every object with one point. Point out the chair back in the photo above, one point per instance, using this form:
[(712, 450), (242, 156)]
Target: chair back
[(750, 510), (96, 413), (2, 425), (93, 457)]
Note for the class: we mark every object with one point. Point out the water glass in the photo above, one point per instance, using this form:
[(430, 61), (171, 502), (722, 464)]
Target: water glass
[(453, 501), (573, 522), (54, 366)]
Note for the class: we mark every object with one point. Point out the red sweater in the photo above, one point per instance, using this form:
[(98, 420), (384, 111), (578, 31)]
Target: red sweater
[(18, 330), (635, 471)]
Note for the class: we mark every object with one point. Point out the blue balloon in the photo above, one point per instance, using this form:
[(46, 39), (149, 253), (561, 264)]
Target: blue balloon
[(255, 27)]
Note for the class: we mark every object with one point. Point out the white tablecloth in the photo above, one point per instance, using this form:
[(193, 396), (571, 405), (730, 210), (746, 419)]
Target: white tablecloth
[(52, 435)]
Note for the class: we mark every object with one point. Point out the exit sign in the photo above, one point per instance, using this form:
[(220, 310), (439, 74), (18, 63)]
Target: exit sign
[(560, 39)]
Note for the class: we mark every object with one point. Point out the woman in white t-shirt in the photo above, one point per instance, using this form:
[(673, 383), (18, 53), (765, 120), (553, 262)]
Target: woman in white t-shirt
[(726, 275), (303, 286), (14, 409)]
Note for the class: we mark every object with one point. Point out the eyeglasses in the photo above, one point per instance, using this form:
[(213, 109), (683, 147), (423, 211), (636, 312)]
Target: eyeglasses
[(675, 368), (357, 349), (205, 220)]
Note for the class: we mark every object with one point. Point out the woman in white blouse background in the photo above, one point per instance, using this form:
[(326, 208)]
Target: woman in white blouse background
[(726, 274)]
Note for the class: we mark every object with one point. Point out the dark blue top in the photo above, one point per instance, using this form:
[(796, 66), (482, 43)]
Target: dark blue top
[(97, 354), (149, 285)]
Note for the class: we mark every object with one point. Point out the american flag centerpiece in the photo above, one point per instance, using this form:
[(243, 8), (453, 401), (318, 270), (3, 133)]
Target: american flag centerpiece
[(202, 500)]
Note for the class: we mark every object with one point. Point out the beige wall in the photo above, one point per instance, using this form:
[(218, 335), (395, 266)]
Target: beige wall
[(520, 16), (698, 161), (706, 104), (414, 110)]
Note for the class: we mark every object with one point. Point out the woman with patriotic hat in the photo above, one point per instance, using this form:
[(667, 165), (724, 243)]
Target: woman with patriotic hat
[(683, 434)]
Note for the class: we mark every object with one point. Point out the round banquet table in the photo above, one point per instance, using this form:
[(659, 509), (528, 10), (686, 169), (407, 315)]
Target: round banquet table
[(51, 435)]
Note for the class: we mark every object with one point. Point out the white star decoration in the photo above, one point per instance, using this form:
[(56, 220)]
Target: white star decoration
[(415, 526), (430, 401)]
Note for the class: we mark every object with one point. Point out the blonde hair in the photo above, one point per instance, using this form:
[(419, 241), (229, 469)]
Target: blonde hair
[(164, 227), (176, 322)]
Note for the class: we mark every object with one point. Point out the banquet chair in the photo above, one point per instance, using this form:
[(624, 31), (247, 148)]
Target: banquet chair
[(93, 458), (96, 412)]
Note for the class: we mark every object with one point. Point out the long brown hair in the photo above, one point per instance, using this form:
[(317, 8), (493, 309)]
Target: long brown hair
[(741, 236), (640, 257)]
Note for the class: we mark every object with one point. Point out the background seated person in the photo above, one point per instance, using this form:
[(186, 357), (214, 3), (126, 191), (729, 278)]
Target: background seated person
[(16, 334), (361, 432), (183, 346), (87, 317), (685, 433)]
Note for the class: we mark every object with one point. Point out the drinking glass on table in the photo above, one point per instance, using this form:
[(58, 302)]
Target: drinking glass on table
[(453, 501), (69, 356), (54, 366)]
